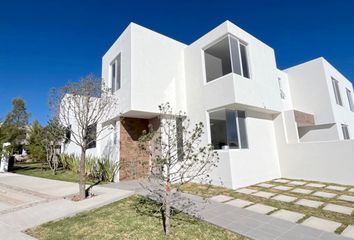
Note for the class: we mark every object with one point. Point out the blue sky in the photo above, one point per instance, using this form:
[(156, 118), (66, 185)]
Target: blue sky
[(44, 44)]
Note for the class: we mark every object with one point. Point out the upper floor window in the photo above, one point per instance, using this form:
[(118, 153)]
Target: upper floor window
[(350, 100), (345, 132), (280, 83), (337, 92), (228, 129), (226, 56), (115, 74)]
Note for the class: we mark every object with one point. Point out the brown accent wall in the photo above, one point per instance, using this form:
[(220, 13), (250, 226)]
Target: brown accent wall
[(134, 163), (304, 119)]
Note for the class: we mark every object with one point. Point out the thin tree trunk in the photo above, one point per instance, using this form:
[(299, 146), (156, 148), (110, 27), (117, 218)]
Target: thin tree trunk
[(168, 210), (82, 182)]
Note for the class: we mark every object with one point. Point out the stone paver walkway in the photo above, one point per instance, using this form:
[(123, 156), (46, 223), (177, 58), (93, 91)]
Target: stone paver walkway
[(41, 200), (322, 224), (248, 223)]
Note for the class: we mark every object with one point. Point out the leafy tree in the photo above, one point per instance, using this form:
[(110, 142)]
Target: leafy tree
[(83, 105), (178, 156), (35, 146), (14, 127)]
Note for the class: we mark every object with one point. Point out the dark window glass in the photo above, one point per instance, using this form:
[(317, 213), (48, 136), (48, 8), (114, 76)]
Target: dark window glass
[(91, 136), (245, 69)]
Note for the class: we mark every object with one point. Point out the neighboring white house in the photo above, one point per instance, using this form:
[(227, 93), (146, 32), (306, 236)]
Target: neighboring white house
[(264, 122)]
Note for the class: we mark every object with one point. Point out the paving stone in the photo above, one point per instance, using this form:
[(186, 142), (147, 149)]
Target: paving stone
[(261, 208), (288, 215), (321, 224), (263, 194), (281, 180), (297, 183), (282, 188), (301, 190), (351, 190), (221, 198), (346, 198), (324, 194), (239, 203), (246, 190), (339, 209), (284, 198), (265, 185), (316, 185), (337, 188), (348, 232), (309, 203)]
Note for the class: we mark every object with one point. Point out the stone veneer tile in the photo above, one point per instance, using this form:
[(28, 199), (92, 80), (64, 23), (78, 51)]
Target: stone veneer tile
[(338, 209), (284, 198), (263, 194), (301, 190), (321, 224), (260, 208), (288, 215), (239, 203), (316, 185), (337, 188), (220, 198), (324, 194), (309, 203), (282, 188), (346, 198), (246, 190)]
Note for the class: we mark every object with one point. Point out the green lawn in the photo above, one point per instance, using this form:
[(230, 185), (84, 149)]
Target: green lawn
[(43, 171), (131, 218)]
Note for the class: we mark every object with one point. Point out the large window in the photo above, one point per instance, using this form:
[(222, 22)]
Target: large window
[(350, 100), (228, 129), (115, 74), (345, 132), (226, 56), (91, 136), (337, 92)]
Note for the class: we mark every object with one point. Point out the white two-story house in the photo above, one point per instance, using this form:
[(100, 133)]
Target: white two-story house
[(264, 122)]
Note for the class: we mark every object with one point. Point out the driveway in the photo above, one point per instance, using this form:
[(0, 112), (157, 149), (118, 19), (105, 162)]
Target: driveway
[(26, 202)]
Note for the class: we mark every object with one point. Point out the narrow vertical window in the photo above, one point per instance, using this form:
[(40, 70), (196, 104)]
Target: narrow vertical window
[(91, 136), (116, 74), (350, 100), (241, 116), (345, 132), (113, 77), (337, 92), (244, 61), (231, 129), (235, 53), (179, 136), (282, 94)]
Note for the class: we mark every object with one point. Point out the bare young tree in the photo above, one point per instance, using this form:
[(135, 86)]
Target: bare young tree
[(178, 156), (82, 106), (53, 136)]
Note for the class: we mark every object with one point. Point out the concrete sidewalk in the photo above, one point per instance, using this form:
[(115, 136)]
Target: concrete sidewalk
[(245, 222), (40, 200)]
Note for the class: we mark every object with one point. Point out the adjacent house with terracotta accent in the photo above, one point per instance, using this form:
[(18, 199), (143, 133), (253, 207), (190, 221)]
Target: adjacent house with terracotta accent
[(264, 122)]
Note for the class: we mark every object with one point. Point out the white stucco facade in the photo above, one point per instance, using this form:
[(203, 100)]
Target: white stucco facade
[(239, 77)]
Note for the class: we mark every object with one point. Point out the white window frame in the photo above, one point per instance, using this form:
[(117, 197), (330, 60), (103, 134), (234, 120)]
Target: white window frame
[(237, 128), (345, 132), (350, 99), (229, 36), (336, 90), (117, 81)]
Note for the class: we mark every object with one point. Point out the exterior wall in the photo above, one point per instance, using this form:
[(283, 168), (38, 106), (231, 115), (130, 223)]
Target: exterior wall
[(260, 93), (330, 161), (342, 114), (157, 71), (308, 87)]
